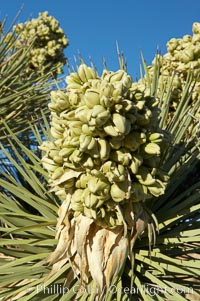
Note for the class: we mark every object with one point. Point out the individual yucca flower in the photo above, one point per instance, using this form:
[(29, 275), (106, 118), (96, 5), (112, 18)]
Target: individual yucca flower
[(106, 135)]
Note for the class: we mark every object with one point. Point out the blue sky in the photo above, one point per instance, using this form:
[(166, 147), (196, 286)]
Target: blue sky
[(93, 27)]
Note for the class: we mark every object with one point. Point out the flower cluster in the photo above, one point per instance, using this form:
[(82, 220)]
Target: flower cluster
[(47, 39), (107, 144)]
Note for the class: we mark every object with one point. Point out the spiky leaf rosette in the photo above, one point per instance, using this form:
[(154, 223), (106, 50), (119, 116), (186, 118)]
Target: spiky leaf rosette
[(48, 41), (103, 162)]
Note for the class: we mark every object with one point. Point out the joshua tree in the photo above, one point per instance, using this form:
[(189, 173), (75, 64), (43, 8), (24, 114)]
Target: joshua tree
[(105, 206)]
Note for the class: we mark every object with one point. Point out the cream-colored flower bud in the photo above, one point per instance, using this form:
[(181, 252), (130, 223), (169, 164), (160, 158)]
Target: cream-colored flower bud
[(117, 76), (81, 113), (172, 44), (136, 162), (156, 137), (117, 92), (121, 156), (120, 191), (111, 130), (152, 148), (157, 188), (57, 173), (85, 73), (106, 89), (121, 123), (91, 98), (196, 28), (104, 149), (144, 176), (96, 185), (49, 164)]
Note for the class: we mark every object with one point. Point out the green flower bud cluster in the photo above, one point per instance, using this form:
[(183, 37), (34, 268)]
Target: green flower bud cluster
[(107, 144), (48, 41)]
